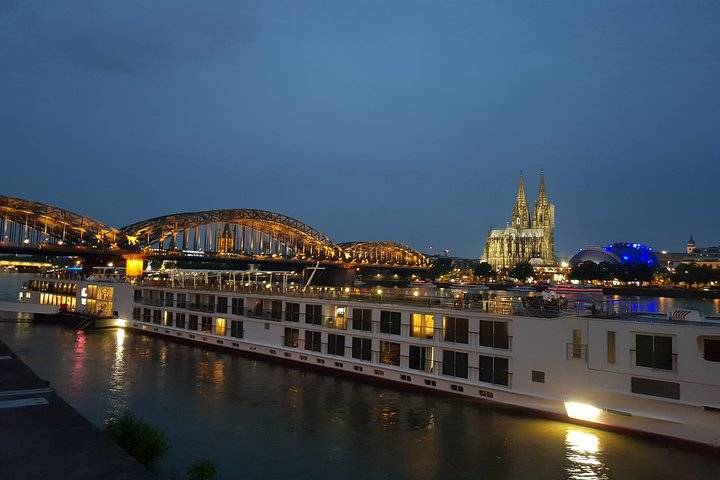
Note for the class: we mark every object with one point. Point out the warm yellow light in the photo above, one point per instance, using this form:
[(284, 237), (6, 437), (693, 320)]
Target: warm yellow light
[(582, 442), (416, 293), (582, 411), (379, 291), (134, 267)]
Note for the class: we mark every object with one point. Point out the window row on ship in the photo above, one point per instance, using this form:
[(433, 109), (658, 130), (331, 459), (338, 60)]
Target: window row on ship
[(454, 361), (454, 329)]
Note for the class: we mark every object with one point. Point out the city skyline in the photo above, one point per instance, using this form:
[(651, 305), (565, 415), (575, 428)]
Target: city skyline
[(407, 122)]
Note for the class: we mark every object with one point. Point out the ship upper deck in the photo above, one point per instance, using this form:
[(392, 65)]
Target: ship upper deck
[(487, 302)]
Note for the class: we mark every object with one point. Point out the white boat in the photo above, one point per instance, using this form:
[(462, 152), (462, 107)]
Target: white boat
[(469, 287), (521, 288), (574, 289), (600, 365), (422, 284)]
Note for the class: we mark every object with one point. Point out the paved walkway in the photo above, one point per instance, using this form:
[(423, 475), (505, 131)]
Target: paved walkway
[(42, 437)]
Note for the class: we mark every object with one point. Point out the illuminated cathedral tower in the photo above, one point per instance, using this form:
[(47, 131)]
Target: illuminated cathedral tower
[(523, 240)]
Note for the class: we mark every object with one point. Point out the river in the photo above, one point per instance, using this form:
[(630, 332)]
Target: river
[(256, 419)]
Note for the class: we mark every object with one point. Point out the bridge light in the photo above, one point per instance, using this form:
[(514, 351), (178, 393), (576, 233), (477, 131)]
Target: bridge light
[(27, 240)]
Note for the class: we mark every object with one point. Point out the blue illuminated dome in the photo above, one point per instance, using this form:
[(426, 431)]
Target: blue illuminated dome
[(617, 254)]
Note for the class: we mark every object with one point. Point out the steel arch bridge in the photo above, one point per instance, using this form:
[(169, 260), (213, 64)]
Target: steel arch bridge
[(242, 231), (235, 233), (28, 222)]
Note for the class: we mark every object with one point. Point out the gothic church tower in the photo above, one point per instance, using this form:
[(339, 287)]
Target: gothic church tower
[(521, 212), (544, 218), (526, 237)]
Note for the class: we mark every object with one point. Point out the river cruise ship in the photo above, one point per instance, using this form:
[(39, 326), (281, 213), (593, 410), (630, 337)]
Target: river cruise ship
[(591, 362)]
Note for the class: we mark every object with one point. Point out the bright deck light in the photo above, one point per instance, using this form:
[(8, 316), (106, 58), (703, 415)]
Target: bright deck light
[(582, 411)]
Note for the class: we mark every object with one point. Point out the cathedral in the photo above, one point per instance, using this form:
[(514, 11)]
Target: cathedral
[(521, 240)]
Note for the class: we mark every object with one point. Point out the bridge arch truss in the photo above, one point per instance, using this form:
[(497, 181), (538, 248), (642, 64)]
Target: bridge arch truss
[(238, 231), (28, 222), (383, 253)]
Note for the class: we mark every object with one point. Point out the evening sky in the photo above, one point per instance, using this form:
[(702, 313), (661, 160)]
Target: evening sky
[(402, 120)]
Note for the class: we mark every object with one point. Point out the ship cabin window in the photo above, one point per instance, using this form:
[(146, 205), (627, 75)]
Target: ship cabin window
[(257, 309), (390, 353), (362, 348), (494, 334), (654, 351), (711, 349), (222, 305), (237, 306), (339, 321), (169, 299), (455, 364), (419, 358), (362, 319), (167, 318), (220, 326), (236, 329), (312, 341), (193, 322), (206, 325), (157, 315), (313, 314), (494, 370), (292, 312), (180, 320), (291, 338), (422, 325), (136, 313), (137, 296), (146, 315), (276, 309), (181, 300), (390, 322), (455, 329), (611, 347), (577, 343), (336, 345)]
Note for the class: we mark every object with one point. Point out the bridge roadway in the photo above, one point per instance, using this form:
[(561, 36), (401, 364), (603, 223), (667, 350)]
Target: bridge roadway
[(238, 260)]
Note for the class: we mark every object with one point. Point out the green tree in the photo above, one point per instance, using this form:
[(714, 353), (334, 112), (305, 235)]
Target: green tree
[(142, 441), (522, 271), (441, 266), (484, 270), (202, 469)]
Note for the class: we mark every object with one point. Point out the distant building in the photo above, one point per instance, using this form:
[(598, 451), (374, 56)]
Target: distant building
[(707, 256), (616, 254), (226, 241), (524, 240)]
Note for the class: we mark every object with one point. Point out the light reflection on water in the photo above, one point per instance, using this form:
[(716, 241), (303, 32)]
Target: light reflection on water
[(584, 456)]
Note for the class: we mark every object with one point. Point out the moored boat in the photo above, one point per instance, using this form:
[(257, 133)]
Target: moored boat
[(600, 363), (569, 288)]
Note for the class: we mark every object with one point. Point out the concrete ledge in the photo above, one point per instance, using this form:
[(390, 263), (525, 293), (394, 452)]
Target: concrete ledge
[(44, 437)]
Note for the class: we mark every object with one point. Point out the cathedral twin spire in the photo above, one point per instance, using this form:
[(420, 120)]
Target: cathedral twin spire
[(543, 213)]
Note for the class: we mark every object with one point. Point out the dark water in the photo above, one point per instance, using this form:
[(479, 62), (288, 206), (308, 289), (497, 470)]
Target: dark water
[(260, 420)]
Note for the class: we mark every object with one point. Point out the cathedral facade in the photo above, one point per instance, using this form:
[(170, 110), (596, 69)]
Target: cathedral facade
[(527, 237)]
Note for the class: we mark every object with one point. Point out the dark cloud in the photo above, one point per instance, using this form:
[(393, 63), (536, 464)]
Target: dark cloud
[(132, 35), (406, 120)]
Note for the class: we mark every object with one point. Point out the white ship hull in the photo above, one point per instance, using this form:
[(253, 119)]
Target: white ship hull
[(572, 366)]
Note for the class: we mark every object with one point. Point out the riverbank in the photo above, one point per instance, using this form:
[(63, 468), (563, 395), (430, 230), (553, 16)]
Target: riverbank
[(46, 438)]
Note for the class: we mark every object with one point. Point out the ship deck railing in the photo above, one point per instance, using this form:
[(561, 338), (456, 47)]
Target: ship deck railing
[(526, 306)]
